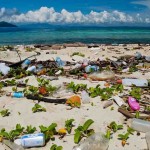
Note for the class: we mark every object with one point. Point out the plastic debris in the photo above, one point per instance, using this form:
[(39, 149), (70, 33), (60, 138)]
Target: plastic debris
[(136, 82), (4, 69), (133, 103), (101, 76), (31, 140), (140, 125), (96, 141), (26, 63), (85, 97)]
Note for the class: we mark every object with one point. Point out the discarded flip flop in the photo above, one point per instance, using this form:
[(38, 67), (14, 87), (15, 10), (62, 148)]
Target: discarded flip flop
[(133, 103)]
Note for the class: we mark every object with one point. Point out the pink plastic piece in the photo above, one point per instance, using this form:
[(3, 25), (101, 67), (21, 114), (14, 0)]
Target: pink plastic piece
[(133, 103)]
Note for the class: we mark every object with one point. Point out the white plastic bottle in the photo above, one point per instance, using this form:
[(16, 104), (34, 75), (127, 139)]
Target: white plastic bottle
[(136, 82), (31, 140), (140, 125), (32, 69)]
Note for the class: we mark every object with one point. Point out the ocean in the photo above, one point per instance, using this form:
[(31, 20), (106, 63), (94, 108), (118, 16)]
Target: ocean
[(70, 34)]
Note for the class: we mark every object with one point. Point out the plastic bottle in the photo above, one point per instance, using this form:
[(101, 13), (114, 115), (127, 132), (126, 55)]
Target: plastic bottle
[(12, 146), (101, 76), (96, 141), (25, 63), (136, 82), (17, 94), (85, 97), (140, 125), (147, 135), (59, 62), (32, 69), (90, 68), (31, 140)]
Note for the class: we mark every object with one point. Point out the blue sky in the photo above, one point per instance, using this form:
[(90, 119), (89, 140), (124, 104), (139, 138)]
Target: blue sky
[(130, 11), (74, 5)]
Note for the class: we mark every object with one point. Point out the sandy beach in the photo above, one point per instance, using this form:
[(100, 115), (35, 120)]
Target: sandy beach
[(61, 112)]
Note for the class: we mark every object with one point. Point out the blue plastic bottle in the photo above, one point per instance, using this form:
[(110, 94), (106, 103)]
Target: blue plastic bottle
[(17, 94)]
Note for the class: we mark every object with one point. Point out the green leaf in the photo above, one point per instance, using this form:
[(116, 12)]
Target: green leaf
[(5, 112), (43, 128), (130, 130), (108, 134), (126, 136), (59, 148), (77, 137), (53, 147), (137, 115), (121, 136), (52, 126), (87, 124), (69, 125)]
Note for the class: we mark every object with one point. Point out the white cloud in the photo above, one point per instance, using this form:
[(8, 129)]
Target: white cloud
[(49, 15), (143, 2)]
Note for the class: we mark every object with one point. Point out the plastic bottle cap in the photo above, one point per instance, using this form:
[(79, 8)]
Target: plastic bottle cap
[(119, 81)]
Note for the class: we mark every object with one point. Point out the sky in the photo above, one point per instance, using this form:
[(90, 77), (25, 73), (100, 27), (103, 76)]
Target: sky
[(76, 11)]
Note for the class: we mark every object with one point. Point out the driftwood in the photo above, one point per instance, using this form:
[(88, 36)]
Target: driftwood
[(129, 115), (48, 100)]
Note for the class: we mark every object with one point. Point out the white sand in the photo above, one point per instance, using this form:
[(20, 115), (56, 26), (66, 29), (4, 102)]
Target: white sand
[(59, 113)]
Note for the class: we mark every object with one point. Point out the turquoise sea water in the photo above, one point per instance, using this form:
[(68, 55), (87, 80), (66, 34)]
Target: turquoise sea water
[(68, 34)]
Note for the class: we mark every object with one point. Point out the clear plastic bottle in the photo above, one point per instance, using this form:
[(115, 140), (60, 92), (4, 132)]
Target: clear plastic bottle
[(26, 63), (90, 68), (147, 135), (136, 82), (140, 125), (12, 146), (59, 62), (96, 141), (85, 97)]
